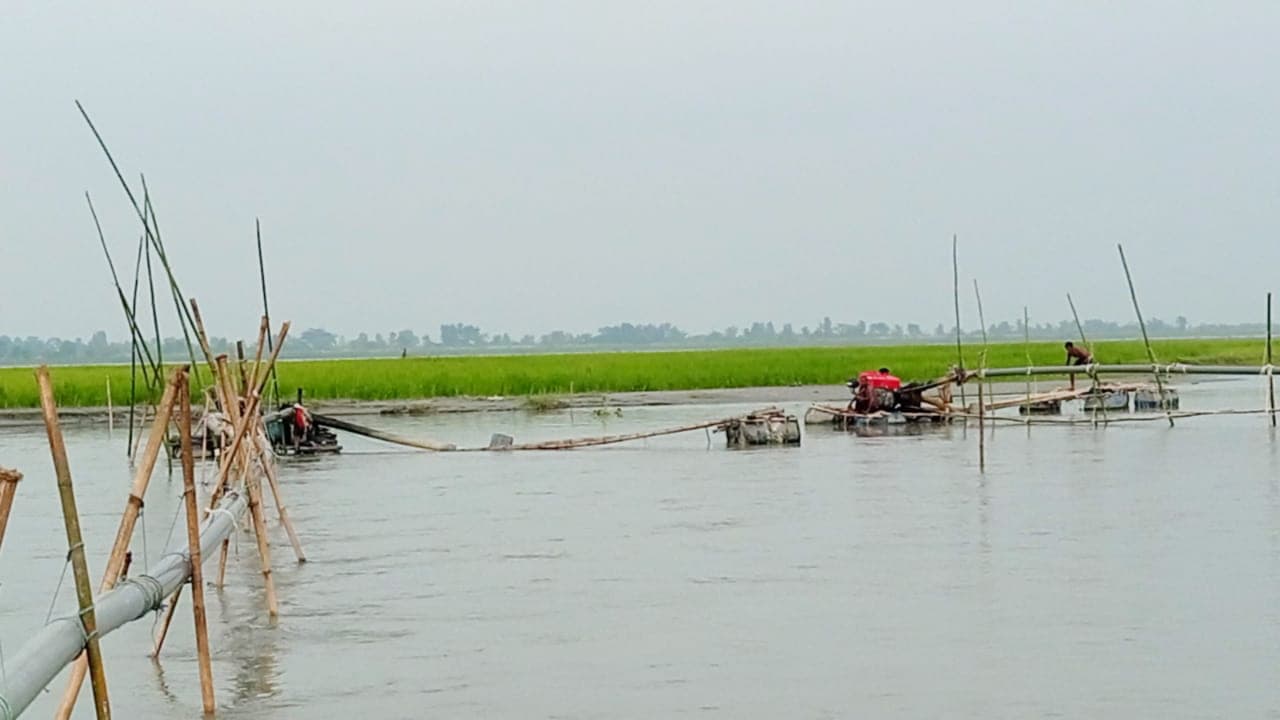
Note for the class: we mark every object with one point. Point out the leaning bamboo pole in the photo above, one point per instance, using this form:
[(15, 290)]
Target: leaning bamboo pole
[(193, 548), (124, 534), (266, 312), (268, 469), (1142, 325), (75, 544), (9, 480)]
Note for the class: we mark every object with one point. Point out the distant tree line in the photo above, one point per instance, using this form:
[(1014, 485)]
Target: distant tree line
[(459, 338)]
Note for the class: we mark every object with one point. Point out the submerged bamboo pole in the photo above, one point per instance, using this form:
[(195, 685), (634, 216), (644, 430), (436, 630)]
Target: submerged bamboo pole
[(1142, 325), (9, 480), (75, 544), (193, 547), (124, 534)]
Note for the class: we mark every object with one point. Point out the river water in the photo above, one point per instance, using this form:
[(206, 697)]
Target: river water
[(1131, 571)]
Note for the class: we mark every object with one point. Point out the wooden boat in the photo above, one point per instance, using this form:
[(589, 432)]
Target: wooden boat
[(844, 419)]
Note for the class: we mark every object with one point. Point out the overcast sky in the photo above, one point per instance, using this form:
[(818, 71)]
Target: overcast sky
[(528, 166)]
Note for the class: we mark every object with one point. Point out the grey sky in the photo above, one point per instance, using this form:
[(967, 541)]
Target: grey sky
[(527, 166)]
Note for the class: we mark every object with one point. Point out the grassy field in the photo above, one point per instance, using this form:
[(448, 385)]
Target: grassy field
[(410, 378)]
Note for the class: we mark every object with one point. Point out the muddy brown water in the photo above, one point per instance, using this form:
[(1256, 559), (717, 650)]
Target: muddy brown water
[(1132, 571)]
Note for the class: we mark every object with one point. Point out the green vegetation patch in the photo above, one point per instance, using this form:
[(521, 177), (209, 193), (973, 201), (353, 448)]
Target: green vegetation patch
[(524, 375)]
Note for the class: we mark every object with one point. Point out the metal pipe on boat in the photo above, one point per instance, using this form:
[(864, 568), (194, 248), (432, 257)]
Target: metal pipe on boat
[(58, 643)]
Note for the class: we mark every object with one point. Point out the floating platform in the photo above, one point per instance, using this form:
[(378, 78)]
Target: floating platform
[(762, 428), (1150, 399), (1107, 401)]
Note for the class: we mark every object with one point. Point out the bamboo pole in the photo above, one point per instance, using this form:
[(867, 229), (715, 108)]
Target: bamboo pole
[(128, 312), (1271, 382), (264, 548), (75, 544), (434, 445), (1026, 347), (955, 276), (133, 355), (263, 339), (155, 316), (244, 379), (268, 469), (124, 534), (202, 337), (266, 312), (193, 548), (222, 563), (9, 480), (1142, 325), (280, 510), (149, 211), (982, 434), (165, 622), (982, 320), (1102, 406), (142, 422), (111, 414)]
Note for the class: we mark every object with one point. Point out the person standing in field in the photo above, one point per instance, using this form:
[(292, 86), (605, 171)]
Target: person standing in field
[(1077, 356)]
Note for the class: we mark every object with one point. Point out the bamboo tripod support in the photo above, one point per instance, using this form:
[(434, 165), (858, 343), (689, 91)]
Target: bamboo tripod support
[(75, 544), (124, 535), (193, 547)]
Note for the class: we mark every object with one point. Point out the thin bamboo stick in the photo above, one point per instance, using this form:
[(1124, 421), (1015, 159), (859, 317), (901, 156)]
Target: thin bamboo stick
[(133, 355), (165, 622), (124, 534), (193, 548), (1142, 325), (263, 339), (75, 544), (9, 480), (111, 414)]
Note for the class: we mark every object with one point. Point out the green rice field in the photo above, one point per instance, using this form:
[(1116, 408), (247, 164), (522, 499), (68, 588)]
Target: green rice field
[(521, 375)]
